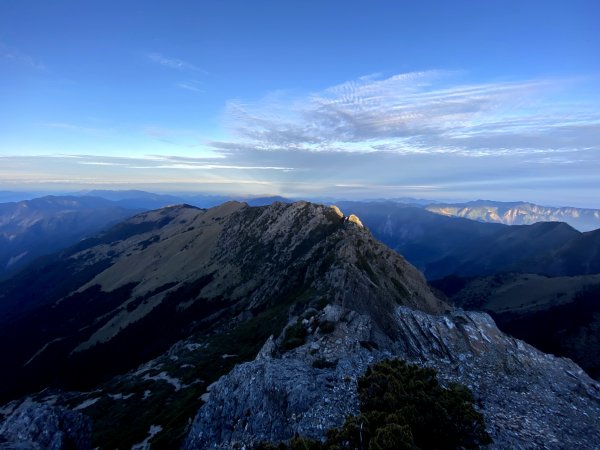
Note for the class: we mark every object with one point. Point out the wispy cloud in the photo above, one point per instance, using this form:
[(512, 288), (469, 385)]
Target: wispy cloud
[(174, 63), (190, 86), (420, 112), (428, 134), (190, 163), (12, 54), (144, 162)]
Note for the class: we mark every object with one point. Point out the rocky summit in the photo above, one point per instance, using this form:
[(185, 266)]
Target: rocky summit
[(237, 325)]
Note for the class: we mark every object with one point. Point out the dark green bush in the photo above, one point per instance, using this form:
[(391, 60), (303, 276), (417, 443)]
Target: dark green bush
[(392, 436), (294, 335), (408, 395), (404, 407)]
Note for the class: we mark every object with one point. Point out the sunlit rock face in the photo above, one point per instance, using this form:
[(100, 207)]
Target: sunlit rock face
[(354, 219)]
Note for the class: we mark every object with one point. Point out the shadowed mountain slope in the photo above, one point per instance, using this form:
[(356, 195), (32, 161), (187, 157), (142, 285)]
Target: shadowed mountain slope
[(559, 315), (442, 246), (580, 255), (93, 310), (32, 228)]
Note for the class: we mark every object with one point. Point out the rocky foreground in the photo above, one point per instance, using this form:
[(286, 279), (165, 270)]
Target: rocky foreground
[(529, 399)]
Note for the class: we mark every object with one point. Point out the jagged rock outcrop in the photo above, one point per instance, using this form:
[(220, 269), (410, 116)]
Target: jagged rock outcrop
[(529, 399), (35, 426)]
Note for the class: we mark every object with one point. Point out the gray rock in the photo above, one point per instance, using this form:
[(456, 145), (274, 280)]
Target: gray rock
[(529, 399), (33, 425)]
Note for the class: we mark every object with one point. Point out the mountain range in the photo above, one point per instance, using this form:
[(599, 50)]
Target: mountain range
[(437, 245), (441, 246), (43, 225), (192, 274), (519, 213), (507, 213), (32, 228), (230, 326)]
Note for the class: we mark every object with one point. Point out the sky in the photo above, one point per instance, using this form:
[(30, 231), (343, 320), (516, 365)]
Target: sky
[(445, 100)]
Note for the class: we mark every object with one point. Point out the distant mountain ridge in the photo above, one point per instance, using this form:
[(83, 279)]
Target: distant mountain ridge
[(438, 244), (444, 245), (31, 228), (45, 224), (148, 200), (519, 213)]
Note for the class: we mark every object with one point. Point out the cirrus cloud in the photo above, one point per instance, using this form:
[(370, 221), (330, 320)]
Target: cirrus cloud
[(420, 112), (174, 63)]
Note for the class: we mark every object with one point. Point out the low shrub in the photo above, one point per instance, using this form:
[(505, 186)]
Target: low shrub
[(403, 406), (294, 336)]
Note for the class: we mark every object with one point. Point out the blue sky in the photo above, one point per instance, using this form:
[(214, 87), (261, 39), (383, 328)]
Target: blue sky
[(442, 100)]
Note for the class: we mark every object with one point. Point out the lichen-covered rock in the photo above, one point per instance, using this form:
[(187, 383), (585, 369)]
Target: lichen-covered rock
[(529, 399), (33, 425)]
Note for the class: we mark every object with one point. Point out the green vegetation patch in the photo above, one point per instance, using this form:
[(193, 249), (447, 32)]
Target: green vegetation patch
[(403, 407), (122, 423), (294, 335)]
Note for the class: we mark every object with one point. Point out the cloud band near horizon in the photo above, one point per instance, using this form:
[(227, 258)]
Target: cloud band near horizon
[(428, 129)]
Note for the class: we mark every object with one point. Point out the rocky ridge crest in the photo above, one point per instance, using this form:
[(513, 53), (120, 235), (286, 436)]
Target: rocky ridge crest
[(529, 399), (216, 283)]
